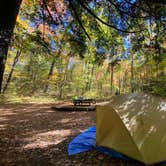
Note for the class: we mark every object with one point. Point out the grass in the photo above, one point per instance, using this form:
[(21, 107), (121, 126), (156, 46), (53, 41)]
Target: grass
[(28, 99)]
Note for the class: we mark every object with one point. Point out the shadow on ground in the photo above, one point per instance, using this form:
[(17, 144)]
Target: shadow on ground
[(36, 135)]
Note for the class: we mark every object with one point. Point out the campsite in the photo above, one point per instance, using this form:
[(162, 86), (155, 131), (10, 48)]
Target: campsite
[(82, 82)]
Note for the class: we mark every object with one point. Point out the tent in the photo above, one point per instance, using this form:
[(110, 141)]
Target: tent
[(134, 125)]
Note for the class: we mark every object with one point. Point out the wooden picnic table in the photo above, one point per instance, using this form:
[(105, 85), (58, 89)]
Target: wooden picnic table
[(83, 101)]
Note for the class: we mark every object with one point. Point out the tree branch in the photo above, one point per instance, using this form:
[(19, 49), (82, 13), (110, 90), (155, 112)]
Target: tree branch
[(46, 7), (78, 19), (156, 1), (117, 7), (103, 22)]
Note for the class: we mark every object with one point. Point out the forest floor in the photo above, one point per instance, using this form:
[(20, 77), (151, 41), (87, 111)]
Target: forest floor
[(36, 135)]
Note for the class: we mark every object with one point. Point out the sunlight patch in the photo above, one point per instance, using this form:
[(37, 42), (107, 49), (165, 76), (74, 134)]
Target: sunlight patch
[(65, 120), (3, 126), (46, 139), (163, 106), (2, 119), (7, 113)]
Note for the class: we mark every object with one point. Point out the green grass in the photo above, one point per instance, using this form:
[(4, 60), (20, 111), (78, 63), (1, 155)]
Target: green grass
[(22, 99)]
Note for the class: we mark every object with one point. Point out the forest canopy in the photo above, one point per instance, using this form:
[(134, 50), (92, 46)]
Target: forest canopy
[(92, 48)]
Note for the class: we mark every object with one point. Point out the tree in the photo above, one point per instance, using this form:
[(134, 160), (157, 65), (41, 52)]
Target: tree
[(125, 17), (7, 23)]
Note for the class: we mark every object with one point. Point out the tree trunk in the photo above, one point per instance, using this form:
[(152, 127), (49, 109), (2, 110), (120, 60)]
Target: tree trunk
[(7, 23), (123, 84), (3, 56), (91, 77), (50, 73), (132, 73), (112, 78), (60, 92), (88, 74), (119, 85), (12, 69)]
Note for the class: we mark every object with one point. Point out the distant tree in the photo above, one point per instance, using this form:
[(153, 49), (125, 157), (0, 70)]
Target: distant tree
[(123, 17)]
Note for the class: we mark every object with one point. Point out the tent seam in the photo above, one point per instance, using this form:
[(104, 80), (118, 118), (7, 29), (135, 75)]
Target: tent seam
[(128, 133)]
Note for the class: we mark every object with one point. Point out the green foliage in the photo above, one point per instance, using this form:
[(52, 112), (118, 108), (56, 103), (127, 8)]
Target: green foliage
[(32, 78), (92, 94), (16, 99), (156, 86), (102, 66)]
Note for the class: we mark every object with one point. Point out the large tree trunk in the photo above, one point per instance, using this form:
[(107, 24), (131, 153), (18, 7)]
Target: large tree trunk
[(3, 53), (8, 13)]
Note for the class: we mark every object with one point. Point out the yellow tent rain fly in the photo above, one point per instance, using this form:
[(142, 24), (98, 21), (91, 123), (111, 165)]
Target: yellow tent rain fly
[(134, 125)]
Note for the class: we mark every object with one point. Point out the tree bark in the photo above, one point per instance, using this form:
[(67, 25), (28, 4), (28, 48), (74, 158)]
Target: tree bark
[(3, 56), (7, 23)]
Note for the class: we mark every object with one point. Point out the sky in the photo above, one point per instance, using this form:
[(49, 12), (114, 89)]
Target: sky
[(119, 23)]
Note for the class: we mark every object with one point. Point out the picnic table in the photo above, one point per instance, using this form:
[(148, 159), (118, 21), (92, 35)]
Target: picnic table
[(82, 101)]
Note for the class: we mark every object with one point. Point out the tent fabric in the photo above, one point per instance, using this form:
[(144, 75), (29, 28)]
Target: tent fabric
[(134, 125), (83, 142), (86, 141)]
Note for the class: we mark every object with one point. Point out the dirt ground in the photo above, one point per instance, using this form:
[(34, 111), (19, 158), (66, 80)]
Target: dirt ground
[(37, 135)]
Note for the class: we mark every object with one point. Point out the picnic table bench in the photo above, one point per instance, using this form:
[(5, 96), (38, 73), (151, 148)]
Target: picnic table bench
[(83, 101)]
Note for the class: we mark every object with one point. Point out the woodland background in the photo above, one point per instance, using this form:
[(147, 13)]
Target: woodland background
[(52, 57)]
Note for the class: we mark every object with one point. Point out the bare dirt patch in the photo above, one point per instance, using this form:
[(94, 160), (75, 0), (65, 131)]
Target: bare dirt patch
[(36, 135)]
